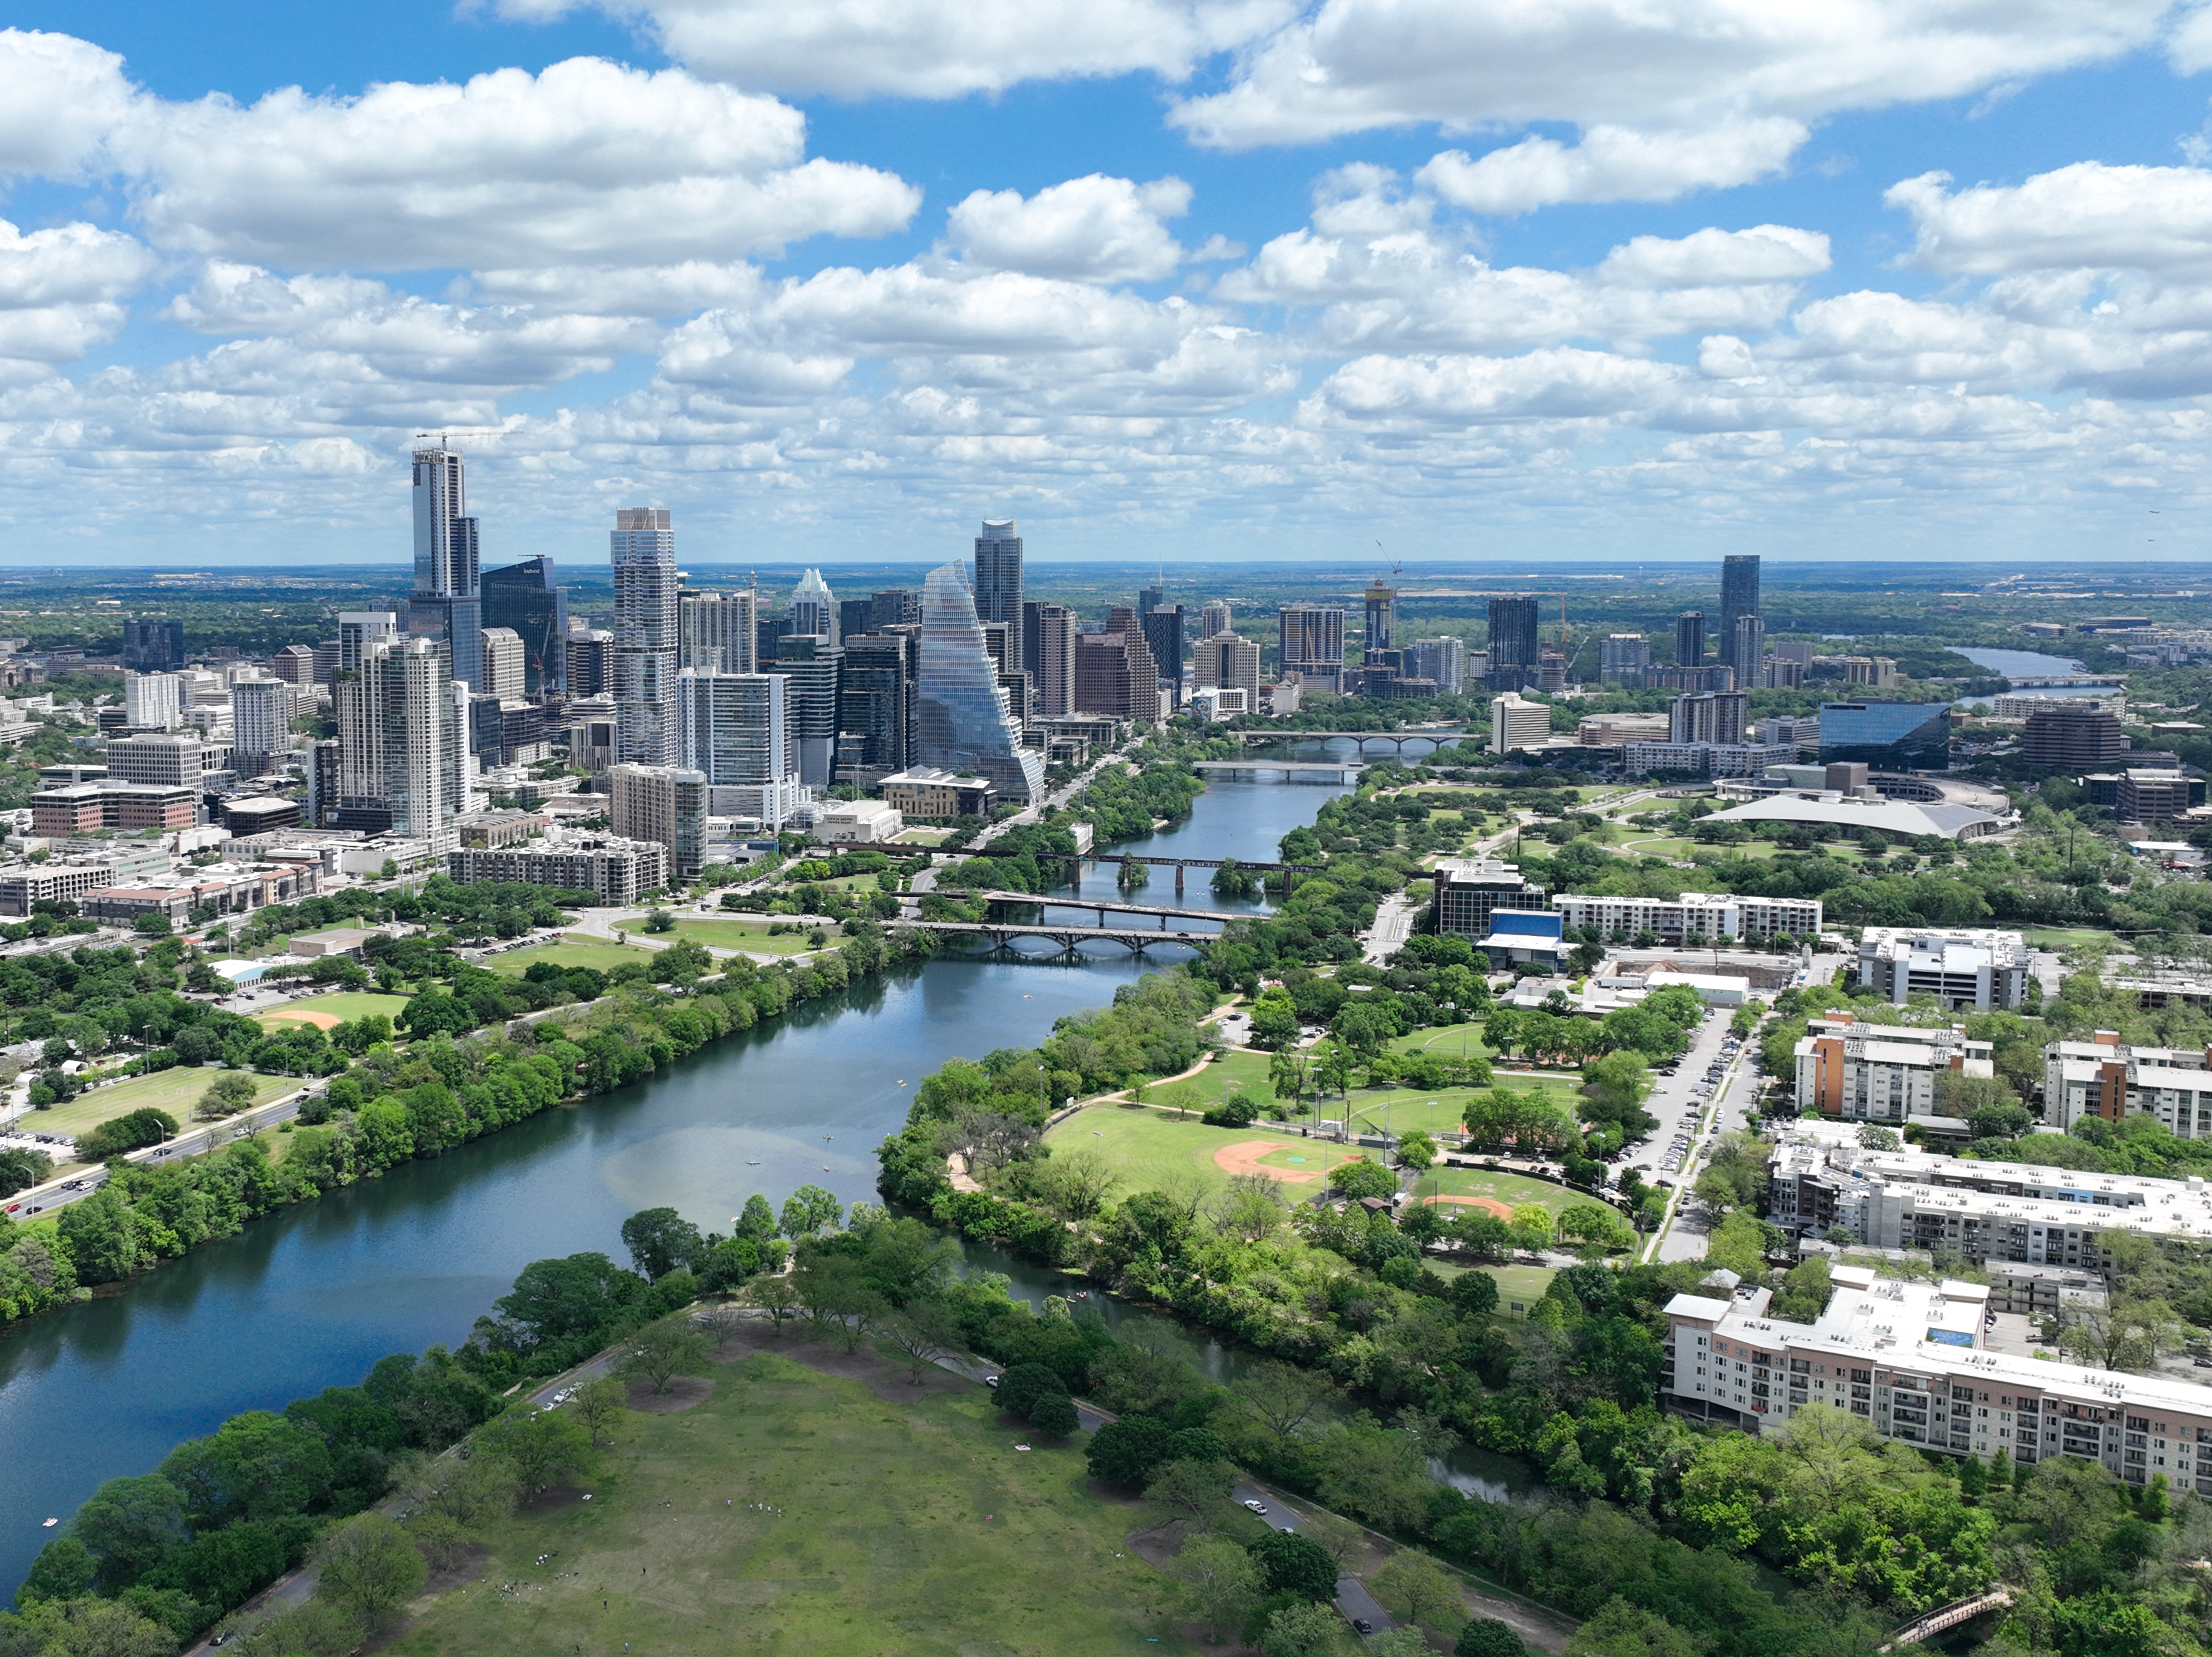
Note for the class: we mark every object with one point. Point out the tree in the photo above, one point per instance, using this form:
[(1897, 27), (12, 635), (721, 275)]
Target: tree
[(1274, 1019), (664, 1351), (809, 1210), (660, 1240), (1280, 1398), (369, 1567), (598, 1405), (1620, 1630), (2124, 1334), (1076, 1185), (1126, 1452), (1416, 1150), (1296, 1564), (1219, 1579), (921, 1331), (778, 1296), (757, 1223), (227, 1095), (541, 1445), (1414, 1588), (838, 1298), (130, 1525), (65, 1570), (1054, 1413), (1361, 1178), (1878, 1138), (1021, 1387), (1486, 1636), (85, 1628), (659, 920), (1290, 1072), (467, 1492), (1302, 1631), (1199, 1488)]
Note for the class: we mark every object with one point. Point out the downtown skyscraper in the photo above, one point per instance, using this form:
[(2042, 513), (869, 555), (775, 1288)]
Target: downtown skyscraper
[(1739, 599), (963, 722), (642, 661), (445, 603), (999, 571)]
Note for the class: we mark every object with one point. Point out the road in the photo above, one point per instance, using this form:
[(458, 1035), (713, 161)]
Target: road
[(203, 1137)]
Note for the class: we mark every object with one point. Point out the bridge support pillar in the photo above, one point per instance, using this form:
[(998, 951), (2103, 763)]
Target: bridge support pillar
[(1179, 877)]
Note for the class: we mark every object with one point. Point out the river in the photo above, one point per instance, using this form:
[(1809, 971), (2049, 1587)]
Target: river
[(311, 1297)]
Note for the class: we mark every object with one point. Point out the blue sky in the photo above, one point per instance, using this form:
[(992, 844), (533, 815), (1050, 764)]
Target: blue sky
[(1236, 278)]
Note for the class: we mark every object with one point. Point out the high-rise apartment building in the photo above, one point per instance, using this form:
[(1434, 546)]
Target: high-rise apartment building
[(1442, 661), (1048, 658), (662, 805), (999, 571), (445, 603), (812, 611), (1624, 658), (894, 607), (1381, 620), (717, 632), (1143, 666), (736, 734), (813, 666), (1310, 642), (1714, 717), (643, 663), (1690, 638), (1739, 599), (589, 654), (504, 666), (402, 738), (1515, 654), (152, 644), (260, 725), (1214, 619), (874, 707), (153, 702), (1162, 627), (962, 721), (526, 600), (1230, 662), (1745, 647), (359, 630)]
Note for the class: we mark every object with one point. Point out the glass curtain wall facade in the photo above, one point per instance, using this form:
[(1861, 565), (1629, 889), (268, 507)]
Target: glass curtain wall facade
[(998, 571), (1739, 599), (962, 721), (643, 659), (1893, 736), (525, 598)]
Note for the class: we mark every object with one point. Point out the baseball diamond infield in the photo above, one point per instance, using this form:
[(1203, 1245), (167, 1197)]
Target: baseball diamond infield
[(1243, 1157)]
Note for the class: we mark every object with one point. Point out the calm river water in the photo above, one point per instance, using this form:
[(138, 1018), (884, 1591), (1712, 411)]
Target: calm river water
[(312, 1297)]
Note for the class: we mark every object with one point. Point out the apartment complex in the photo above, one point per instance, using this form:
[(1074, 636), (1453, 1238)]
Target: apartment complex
[(1881, 1073), (1698, 917), (619, 870), (2109, 1080), (1973, 967)]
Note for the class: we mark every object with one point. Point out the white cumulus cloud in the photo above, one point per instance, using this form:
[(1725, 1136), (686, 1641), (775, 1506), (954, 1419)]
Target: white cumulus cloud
[(2089, 215), (60, 98), (1615, 164), (1095, 228)]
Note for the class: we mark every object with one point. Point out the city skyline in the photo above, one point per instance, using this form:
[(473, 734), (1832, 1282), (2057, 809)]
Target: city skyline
[(1126, 284)]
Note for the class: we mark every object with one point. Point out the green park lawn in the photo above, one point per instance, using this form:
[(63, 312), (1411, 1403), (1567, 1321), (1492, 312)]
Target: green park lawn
[(175, 1091), (910, 1526), (338, 1004), (1241, 1072), (1151, 1150), (2071, 938), (750, 935), (1511, 1189), (1445, 1040), (572, 950), (1520, 1285)]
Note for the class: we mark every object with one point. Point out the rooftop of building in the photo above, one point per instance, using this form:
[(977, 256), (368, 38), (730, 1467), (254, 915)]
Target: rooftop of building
[(1830, 809), (923, 776), (1802, 1153)]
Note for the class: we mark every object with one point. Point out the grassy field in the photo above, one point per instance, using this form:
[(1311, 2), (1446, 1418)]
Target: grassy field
[(1511, 1189), (751, 935), (1520, 1285), (1151, 1150), (338, 1004), (571, 952), (2066, 937), (1242, 1072), (910, 1526), (173, 1090)]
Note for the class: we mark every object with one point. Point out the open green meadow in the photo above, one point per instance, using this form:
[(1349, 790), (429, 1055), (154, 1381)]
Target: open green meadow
[(175, 1091), (749, 935), (340, 1005), (572, 950), (1151, 1150), (2071, 938), (1511, 1189), (898, 1523), (1229, 1072)]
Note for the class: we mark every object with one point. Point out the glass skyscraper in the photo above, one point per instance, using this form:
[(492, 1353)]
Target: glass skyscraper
[(1739, 599), (525, 598), (814, 609), (962, 721), (444, 604), (643, 663), (998, 571)]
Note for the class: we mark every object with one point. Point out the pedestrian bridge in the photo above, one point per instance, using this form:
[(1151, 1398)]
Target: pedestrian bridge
[(1949, 1616)]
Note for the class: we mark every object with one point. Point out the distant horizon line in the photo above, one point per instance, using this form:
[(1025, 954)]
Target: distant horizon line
[(1440, 567)]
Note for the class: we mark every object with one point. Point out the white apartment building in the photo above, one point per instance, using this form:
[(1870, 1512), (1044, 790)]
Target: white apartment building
[(1907, 1359), (503, 663), (1516, 724), (1973, 967), (1881, 1073), (1701, 916), (1704, 759), (1618, 730), (1227, 661), (2107, 1078), (152, 702)]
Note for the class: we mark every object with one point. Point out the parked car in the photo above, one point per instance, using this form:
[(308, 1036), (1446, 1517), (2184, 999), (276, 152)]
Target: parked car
[(1255, 1506)]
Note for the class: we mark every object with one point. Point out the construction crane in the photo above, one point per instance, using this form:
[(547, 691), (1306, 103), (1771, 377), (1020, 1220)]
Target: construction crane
[(461, 431), (1397, 568)]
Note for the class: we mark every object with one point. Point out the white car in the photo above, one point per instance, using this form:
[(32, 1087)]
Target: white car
[(1257, 1507)]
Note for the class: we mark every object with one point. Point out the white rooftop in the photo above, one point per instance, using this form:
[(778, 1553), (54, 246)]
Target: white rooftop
[(1829, 808)]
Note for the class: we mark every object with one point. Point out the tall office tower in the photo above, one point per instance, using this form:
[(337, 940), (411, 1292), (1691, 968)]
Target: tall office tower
[(715, 631), (1214, 619), (504, 670), (445, 603), (322, 783), (1746, 645), (1310, 642), (1162, 625), (1151, 597), (962, 721), (1230, 662), (402, 739), (361, 630), (1714, 716), (153, 702), (872, 711), (1381, 620), (736, 734), (1739, 599), (1624, 658), (853, 616), (894, 607), (812, 665), (260, 725), (1515, 655), (326, 661), (1444, 661), (589, 654), (812, 610), (642, 663), (294, 664), (525, 598), (152, 644), (1143, 666), (1690, 638), (999, 571), (1048, 657), (665, 805)]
